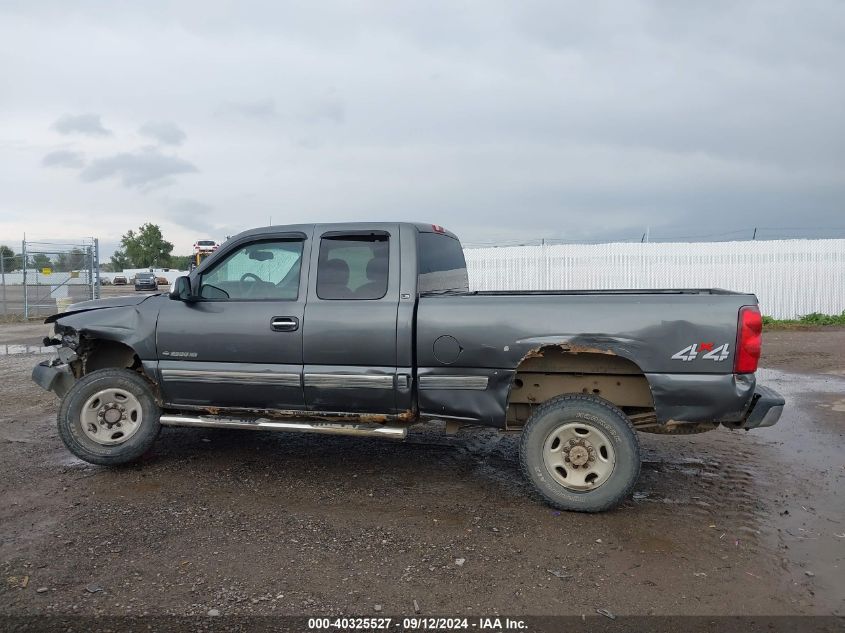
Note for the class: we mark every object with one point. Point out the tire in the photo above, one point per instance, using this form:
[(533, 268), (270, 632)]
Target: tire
[(118, 441), (610, 439)]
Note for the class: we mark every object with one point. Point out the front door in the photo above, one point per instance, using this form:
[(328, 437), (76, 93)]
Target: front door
[(240, 344), (349, 345)]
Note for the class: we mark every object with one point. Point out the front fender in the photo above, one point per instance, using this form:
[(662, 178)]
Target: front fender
[(133, 326)]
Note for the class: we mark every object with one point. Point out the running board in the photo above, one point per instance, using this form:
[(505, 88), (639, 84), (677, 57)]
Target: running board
[(264, 424)]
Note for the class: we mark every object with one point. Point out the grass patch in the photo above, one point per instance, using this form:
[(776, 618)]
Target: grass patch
[(814, 319)]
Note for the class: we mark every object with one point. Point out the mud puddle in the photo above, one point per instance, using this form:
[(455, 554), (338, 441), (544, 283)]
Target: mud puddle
[(809, 447)]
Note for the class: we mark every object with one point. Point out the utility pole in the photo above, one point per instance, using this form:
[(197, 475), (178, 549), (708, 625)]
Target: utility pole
[(23, 262), (3, 277), (96, 258)]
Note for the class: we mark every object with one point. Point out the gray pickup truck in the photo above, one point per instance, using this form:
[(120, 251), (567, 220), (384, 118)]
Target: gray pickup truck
[(369, 328)]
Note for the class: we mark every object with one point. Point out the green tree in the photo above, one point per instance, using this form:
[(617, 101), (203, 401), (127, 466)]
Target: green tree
[(118, 262), (147, 248), (10, 260), (181, 262), (75, 259), (40, 260)]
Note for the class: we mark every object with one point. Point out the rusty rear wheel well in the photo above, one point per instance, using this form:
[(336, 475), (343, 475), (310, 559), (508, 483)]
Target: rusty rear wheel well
[(554, 370)]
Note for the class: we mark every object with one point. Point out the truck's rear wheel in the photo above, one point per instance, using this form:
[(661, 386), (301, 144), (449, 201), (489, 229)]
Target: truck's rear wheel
[(580, 452), (109, 417)]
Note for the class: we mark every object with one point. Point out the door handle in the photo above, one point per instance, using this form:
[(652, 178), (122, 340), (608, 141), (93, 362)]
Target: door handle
[(284, 324)]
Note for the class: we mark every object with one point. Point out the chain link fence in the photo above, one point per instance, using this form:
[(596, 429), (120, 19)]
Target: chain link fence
[(44, 277)]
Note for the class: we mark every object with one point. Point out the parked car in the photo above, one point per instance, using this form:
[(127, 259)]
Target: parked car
[(205, 246), (366, 329), (105, 281), (162, 281), (145, 281), (120, 280)]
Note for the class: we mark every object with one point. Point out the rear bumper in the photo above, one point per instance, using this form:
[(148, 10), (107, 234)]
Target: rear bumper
[(55, 378), (765, 410), (732, 400)]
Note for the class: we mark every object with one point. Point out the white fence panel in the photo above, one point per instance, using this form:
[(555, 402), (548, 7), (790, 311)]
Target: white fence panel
[(789, 277)]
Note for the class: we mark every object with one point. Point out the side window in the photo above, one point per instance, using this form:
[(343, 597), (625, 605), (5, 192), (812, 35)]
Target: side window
[(353, 267), (260, 270)]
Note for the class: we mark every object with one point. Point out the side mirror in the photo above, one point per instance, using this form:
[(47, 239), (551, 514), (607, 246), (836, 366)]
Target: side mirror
[(180, 289)]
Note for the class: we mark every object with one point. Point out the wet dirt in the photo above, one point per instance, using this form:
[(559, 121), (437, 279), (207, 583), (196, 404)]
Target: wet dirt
[(726, 522), (819, 350)]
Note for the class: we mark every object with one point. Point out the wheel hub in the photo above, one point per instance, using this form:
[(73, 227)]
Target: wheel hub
[(111, 413), (111, 416), (579, 456)]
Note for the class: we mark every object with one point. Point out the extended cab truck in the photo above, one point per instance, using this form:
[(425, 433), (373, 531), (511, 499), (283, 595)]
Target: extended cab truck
[(366, 329)]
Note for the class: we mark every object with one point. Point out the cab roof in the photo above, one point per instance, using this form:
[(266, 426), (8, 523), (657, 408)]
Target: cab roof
[(309, 229)]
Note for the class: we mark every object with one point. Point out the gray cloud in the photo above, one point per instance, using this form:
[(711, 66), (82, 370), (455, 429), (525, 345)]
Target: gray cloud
[(330, 108), (164, 132), (191, 214), (143, 169), (259, 109), (63, 158), (87, 124), (198, 217), (500, 120)]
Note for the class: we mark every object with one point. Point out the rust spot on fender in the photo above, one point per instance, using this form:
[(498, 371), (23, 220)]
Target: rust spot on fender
[(570, 348), (584, 349), (537, 352)]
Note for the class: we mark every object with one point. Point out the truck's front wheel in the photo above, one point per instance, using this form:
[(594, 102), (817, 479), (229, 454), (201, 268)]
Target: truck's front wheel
[(109, 417), (581, 453)]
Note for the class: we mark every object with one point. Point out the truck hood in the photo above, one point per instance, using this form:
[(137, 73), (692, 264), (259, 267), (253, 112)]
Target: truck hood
[(97, 304)]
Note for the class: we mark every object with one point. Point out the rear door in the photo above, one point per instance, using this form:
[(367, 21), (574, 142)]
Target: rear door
[(240, 345), (349, 343)]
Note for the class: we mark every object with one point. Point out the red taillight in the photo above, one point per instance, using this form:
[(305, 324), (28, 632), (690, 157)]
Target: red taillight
[(749, 338)]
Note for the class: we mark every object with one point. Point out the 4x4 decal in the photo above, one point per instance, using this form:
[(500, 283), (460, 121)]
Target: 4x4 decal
[(708, 351)]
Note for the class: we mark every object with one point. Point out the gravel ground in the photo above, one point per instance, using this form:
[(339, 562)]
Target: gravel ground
[(261, 523)]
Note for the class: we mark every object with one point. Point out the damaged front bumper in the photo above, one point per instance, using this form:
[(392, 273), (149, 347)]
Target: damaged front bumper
[(53, 375), (765, 409)]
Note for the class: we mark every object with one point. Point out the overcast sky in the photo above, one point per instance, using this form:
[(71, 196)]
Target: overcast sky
[(502, 121)]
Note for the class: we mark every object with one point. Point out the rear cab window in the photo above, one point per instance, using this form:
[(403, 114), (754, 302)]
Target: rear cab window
[(442, 267), (353, 266)]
